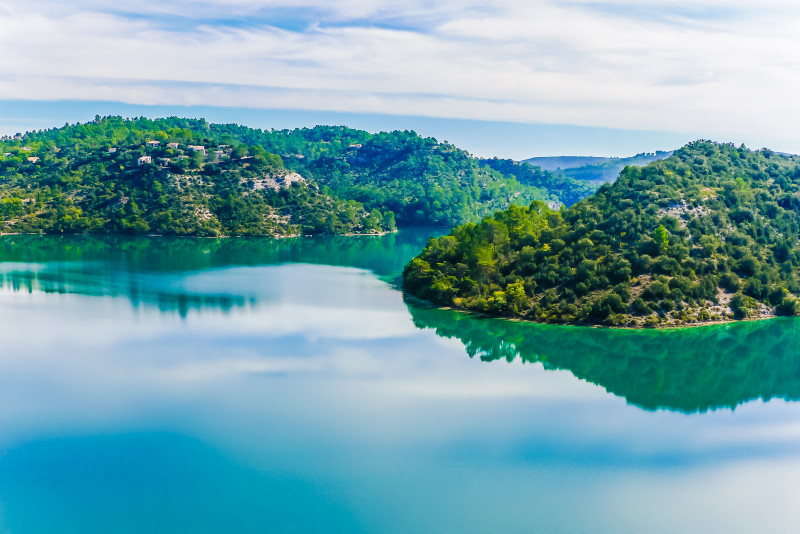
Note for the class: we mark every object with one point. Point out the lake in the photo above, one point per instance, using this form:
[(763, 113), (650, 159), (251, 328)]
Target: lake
[(167, 385)]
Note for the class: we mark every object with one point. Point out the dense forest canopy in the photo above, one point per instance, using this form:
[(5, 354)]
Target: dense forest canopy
[(419, 179), (190, 177), (708, 234)]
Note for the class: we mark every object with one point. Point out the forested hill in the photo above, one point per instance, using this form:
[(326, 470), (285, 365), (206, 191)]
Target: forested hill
[(189, 177), (708, 234), (419, 179)]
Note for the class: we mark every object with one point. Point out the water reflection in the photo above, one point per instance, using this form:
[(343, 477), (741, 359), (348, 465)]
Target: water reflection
[(315, 404), (96, 279), (692, 370), (689, 370), (159, 272), (384, 255)]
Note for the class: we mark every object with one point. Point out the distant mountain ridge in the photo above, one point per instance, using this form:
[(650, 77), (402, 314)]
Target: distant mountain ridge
[(594, 168), (557, 163)]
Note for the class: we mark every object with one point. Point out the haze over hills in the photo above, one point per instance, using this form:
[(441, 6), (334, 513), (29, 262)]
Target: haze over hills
[(557, 163), (708, 234), (595, 169)]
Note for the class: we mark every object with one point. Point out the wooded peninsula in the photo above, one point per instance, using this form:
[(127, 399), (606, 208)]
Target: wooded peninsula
[(709, 234)]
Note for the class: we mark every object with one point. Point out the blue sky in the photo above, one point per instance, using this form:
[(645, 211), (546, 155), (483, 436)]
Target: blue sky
[(504, 77)]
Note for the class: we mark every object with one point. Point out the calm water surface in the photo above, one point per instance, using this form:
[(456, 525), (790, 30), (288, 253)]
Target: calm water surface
[(245, 385)]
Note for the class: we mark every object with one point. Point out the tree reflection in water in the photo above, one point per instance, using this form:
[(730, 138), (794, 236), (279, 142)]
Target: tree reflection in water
[(687, 370), (152, 271)]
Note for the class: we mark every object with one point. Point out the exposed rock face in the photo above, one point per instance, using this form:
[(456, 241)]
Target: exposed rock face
[(275, 181)]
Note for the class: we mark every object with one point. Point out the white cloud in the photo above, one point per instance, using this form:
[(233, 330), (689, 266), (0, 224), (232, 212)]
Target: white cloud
[(728, 70)]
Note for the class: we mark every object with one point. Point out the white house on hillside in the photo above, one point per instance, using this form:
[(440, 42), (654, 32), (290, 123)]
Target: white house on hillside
[(144, 159)]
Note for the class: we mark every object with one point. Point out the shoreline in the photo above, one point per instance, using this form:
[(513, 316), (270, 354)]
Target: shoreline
[(377, 234), (520, 320)]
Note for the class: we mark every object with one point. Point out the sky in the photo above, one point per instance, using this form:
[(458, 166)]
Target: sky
[(498, 77)]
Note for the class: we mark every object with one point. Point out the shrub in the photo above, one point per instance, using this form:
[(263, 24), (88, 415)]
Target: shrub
[(640, 308)]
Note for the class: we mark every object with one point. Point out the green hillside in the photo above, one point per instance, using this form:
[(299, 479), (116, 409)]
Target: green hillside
[(189, 177), (419, 179), (708, 234)]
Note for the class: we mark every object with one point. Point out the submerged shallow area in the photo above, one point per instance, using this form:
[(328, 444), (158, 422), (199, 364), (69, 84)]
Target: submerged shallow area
[(251, 385)]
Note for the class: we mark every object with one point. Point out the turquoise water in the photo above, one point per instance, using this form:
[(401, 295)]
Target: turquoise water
[(247, 385)]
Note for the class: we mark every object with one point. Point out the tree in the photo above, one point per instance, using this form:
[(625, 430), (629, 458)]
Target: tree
[(661, 237)]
